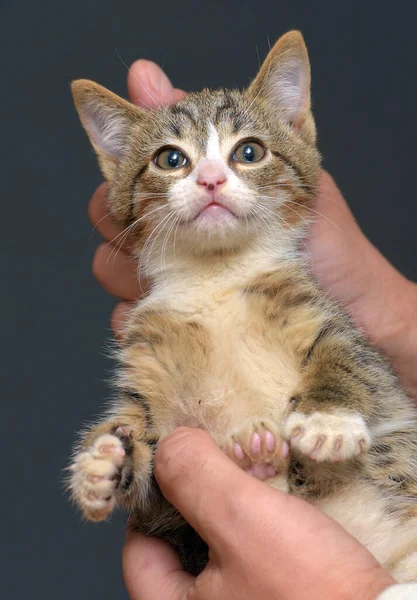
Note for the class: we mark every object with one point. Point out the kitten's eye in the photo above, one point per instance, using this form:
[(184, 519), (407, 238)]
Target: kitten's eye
[(170, 158), (249, 152)]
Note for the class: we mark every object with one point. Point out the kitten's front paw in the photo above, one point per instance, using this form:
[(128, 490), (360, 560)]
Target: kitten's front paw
[(257, 448), (95, 476), (323, 436)]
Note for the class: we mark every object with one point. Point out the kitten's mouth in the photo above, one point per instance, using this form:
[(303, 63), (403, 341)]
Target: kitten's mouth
[(216, 211)]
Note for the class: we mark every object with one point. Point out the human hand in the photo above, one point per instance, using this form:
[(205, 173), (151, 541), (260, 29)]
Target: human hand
[(263, 543), (380, 300)]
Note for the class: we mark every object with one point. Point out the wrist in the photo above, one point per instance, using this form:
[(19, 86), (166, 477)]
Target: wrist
[(398, 339), (384, 304)]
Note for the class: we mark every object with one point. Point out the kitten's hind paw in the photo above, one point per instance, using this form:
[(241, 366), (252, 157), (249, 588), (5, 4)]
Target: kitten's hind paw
[(257, 448), (327, 437), (96, 475)]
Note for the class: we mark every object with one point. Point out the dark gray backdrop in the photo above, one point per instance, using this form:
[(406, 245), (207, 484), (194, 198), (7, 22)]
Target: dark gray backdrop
[(55, 316)]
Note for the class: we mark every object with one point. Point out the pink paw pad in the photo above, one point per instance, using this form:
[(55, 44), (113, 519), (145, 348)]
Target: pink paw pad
[(259, 450), (238, 452), (261, 471), (111, 449)]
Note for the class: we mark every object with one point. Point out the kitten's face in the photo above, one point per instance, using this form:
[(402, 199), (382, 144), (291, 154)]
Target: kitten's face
[(218, 170)]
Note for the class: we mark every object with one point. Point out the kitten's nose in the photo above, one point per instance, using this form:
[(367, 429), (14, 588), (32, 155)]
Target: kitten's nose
[(211, 174)]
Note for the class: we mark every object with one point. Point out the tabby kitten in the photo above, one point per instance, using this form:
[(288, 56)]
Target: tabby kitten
[(234, 336)]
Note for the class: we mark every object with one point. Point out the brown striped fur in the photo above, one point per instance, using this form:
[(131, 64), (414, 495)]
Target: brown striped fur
[(235, 337)]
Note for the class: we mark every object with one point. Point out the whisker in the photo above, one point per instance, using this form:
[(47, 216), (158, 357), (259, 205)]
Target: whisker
[(167, 224), (145, 253), (306, 186), (292, 229), (152, 194), (267, 211), (128, 229), (165, 242), (99, 221), (316, 212), (175, 235)]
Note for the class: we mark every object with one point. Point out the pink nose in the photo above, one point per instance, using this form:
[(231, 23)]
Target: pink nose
[(211, 174)]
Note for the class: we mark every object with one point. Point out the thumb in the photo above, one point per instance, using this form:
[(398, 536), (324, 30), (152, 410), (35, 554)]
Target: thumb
[(204, 485), (261, 539), (149, 87), (152, 570)]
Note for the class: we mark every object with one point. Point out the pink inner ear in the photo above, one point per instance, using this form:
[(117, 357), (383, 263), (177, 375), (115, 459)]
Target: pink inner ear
[(290, 90), (106, 126), (298, 123)]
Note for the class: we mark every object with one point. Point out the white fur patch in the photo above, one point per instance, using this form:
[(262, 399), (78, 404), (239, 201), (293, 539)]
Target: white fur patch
[(325, 436), (213, 144)]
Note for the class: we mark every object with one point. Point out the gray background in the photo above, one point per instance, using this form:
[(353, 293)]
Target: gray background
[(55, 316)]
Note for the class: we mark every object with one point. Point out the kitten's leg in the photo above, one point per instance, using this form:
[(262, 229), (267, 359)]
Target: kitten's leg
[(113, 466), (257, 447), (337, 397), (406, 570)]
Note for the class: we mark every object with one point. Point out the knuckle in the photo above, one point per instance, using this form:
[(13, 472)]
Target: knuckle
[(92, 210), (119, 319), (98, 265), (96, 202)]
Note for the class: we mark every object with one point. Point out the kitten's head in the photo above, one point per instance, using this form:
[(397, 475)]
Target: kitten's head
[(216, 171)]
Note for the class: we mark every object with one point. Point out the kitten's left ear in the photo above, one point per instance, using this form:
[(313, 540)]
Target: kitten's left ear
[(284, 82)]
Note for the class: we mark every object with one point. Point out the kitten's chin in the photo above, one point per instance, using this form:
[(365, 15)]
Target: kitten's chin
[(214, 229)]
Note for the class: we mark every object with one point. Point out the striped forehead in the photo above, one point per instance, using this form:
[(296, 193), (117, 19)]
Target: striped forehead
[(206, 118)]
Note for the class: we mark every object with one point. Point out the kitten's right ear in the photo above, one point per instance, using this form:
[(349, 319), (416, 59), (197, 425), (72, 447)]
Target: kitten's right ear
[(108, 121)]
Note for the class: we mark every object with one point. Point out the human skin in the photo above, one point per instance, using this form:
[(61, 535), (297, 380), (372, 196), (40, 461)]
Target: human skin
[(262, 541), (264, 544)]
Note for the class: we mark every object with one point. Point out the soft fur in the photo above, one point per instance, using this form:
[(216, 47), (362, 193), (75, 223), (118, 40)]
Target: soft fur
[(235, 337)]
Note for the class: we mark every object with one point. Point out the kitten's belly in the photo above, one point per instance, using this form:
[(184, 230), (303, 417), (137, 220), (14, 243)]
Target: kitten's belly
[(246, 377)]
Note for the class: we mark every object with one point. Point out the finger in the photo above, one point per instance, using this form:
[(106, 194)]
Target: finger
[(337, 228), (101, 217), (116, 272), (201, 482), (149, 87), (119, 318), (334, 224), (349, 266), (152, 570)]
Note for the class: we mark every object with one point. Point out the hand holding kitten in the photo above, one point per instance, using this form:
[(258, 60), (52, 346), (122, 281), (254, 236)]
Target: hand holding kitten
[(247, 533)]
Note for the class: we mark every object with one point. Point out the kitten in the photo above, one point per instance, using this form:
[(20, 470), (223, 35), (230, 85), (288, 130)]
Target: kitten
[(235, 337)]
